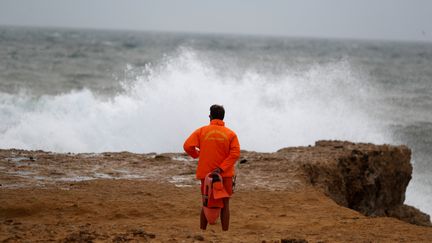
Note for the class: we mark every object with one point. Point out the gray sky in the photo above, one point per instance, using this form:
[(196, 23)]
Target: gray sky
[(365, 19)]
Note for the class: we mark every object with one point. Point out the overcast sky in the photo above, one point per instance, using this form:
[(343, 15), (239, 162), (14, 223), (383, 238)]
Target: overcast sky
[(365, 19)]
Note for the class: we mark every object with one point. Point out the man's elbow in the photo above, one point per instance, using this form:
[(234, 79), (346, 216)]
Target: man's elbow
[(191, 151), (185, 148), (188, 149), (235, 154)]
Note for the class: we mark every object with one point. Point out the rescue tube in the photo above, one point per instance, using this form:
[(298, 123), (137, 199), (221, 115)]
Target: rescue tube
[(212, 196)]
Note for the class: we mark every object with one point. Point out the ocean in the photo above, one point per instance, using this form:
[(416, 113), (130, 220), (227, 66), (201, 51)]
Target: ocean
[(67, 90)]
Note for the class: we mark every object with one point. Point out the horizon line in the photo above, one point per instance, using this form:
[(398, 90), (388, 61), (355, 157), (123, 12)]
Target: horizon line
[(220, 33)]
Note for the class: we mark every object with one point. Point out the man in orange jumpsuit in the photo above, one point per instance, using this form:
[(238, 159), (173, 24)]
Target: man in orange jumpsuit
[(218, 149)]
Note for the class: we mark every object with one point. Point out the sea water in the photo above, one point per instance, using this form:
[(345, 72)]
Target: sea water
[(93, 91)]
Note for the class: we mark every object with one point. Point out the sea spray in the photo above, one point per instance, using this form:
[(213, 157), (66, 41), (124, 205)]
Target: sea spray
[(419, 192), (161, 106)]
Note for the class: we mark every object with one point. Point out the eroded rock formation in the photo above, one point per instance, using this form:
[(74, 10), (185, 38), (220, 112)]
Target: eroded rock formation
[(371, 179)]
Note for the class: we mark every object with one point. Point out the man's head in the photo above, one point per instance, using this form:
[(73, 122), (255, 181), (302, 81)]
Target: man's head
[(217, 112)]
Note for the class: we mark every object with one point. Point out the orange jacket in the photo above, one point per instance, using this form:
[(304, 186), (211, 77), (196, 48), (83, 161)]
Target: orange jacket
[(216, 146)]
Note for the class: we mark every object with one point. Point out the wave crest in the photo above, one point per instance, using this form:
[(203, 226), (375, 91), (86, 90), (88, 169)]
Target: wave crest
[(161, 106)]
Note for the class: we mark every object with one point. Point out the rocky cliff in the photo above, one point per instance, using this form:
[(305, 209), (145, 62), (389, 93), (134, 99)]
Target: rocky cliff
[(371, 179)]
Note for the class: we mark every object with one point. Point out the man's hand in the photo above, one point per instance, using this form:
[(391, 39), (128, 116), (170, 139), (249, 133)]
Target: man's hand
[(218, 170)]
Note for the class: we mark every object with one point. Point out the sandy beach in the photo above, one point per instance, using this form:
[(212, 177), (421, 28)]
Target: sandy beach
[(138, 211), (125, 197)]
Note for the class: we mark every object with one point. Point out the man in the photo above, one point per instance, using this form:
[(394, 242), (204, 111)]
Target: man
[(218, 149)]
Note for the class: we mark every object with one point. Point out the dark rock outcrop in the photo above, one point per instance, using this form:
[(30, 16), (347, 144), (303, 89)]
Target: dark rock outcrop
[(371, 179)]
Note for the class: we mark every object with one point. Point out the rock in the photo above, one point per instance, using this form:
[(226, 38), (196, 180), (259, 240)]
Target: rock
[(371, 179), (294, 241), (121, 238), (81, 236), (199, 237), (142, 233), (8, 221), (162, 157), (409, 214)]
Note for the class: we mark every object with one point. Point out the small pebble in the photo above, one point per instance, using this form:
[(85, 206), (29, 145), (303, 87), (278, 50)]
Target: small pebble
[(199, 237)]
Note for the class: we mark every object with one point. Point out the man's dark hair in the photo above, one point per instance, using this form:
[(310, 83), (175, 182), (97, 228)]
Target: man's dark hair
[(217, 112)]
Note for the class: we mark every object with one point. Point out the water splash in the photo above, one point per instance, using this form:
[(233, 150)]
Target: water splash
[(165, 103)]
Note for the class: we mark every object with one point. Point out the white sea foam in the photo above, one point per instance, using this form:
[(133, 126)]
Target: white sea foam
[(166, 103)]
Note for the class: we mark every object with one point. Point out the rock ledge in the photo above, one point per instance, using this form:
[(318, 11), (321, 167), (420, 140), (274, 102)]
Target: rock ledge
[(371, 179)]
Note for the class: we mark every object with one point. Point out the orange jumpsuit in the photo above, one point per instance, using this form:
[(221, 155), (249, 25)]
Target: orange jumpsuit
[(216, 146)]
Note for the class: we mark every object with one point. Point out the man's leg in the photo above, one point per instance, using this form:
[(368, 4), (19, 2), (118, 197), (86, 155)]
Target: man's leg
[(203, 220), (225, 214)]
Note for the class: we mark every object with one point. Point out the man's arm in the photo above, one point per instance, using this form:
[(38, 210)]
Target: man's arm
[(192, 143), (233, 156)]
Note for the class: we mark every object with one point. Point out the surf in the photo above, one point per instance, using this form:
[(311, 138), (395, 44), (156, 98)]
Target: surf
[(161, 105)]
